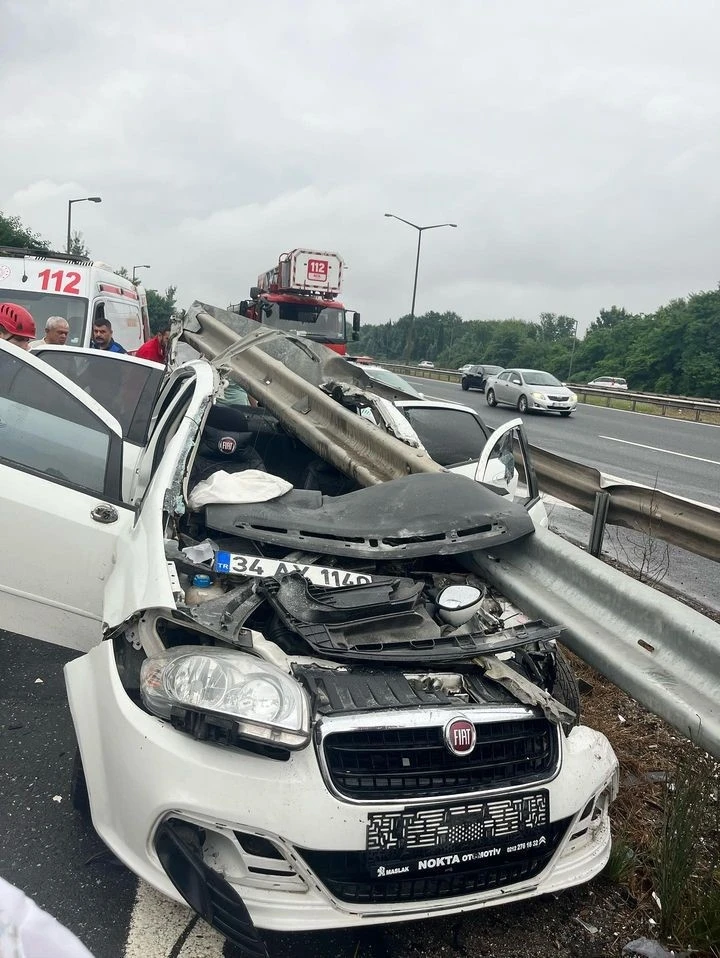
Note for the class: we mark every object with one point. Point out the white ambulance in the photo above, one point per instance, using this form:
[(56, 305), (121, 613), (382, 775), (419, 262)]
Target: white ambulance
[(78, 289)]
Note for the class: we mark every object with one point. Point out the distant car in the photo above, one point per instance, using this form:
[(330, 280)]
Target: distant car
[(426, 364), (530, 389), (475, 377), (464, 369), (609, 382)]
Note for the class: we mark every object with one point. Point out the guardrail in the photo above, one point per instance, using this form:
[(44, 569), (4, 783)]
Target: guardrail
[(699, 407), (664, 654)]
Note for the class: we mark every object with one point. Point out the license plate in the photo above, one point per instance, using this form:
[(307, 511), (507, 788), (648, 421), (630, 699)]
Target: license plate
[(233, 563), (428, 840)]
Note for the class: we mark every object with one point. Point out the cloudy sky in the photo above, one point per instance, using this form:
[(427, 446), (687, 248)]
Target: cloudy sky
[(576, 144)]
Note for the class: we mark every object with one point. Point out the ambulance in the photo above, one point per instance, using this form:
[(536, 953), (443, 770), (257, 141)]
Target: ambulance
[(79, 290)]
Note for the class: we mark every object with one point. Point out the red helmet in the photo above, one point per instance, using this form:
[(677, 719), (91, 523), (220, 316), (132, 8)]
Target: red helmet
[(17, 321)]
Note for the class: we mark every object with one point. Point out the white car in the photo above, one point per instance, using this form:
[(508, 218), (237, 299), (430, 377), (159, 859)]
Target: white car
[(609, 382), (530, 390), (426, 364), (354, 728)]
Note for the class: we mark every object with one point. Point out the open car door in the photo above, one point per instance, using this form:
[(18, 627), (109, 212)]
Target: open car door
[(505, 462), (61, 508)]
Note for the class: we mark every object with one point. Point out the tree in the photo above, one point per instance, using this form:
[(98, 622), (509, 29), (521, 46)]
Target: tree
[(161, 309), (13, 233), (78, 246)]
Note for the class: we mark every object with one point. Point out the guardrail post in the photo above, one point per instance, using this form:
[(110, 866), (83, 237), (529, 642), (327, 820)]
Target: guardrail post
[(597, 530)]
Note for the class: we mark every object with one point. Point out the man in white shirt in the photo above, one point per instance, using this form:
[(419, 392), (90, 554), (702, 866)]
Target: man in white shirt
[(57, 331)]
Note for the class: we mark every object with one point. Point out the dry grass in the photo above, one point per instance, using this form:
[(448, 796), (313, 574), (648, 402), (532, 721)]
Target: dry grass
[(649, 814), (650, 409)]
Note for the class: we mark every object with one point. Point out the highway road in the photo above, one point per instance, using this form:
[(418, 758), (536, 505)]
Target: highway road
[(682, 458)]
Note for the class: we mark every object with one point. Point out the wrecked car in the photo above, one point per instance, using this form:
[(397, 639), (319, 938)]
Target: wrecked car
[(300, 705)]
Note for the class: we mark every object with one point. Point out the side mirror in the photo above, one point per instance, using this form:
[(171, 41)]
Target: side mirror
[(254, 292), (356, 324)]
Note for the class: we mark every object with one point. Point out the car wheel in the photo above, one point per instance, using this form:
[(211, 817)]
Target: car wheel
[(465, 386), (566, 414), (490, 396), (565, 687), (522, 404), (79, 797)]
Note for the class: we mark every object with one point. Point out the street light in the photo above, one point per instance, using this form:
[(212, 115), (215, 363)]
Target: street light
[(84, 199), (146, 266), (572, 351), (421, 230)]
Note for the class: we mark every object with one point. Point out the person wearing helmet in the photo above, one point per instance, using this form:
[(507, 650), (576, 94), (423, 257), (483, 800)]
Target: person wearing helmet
[(16, 325)]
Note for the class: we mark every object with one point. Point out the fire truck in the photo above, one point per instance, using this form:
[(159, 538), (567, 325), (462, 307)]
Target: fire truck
[(300, 295), (80, 290)]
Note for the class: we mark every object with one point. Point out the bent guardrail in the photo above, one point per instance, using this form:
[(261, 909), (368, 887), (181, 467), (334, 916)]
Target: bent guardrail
[(664, 654)]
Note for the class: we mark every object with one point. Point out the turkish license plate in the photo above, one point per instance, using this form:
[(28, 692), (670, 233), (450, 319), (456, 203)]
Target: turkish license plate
[(234, 563), (427, 840)]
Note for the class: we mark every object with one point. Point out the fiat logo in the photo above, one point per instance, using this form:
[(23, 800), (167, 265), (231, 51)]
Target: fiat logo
[(460, 736)]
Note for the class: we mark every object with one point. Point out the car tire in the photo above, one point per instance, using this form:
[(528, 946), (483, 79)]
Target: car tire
[(465, 386), (565, 687), (490, 396), (522, 404), (79, 797), (566, 414)]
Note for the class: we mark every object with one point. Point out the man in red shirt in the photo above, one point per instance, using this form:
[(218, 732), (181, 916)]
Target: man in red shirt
[(157, 347)]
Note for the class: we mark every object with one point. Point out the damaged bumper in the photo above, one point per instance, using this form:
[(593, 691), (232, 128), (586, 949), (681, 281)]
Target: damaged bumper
[(290, 845)]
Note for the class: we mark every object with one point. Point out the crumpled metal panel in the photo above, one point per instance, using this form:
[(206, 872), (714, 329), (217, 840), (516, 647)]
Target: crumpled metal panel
[(664, 654)]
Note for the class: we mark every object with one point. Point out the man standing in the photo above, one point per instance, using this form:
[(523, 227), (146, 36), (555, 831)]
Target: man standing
[(16, 325), (103, 336), (57, 331), (156, 348)]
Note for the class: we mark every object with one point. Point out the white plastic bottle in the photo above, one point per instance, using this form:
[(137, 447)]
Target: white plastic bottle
[(202, 590)]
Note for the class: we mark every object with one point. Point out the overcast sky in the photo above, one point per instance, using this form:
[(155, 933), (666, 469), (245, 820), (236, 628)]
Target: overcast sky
[(576, 145)]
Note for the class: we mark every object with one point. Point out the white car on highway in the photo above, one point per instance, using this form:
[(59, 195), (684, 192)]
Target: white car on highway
[(354, 727), (609, 382), (530, 390)]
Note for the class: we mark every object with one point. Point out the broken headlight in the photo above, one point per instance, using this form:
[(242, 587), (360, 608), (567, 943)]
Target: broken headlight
[(265, 704)]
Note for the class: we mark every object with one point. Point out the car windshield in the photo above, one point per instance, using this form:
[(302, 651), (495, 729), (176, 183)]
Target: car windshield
[(536, 377), (42, 306), (490, 370), (388, 378)]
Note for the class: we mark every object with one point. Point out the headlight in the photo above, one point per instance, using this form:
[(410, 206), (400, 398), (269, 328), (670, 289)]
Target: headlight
[(540, 397), (267, 705), (573, 397)]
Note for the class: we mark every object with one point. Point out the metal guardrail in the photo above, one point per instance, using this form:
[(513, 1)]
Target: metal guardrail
[(664, 654), (665, 404)]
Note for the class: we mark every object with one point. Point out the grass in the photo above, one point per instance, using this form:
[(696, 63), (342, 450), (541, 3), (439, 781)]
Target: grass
[(652, 409)]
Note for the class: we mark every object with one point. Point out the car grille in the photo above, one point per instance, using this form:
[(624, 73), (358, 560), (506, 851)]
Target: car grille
[(565, 399), (381, 763), (348, 877)]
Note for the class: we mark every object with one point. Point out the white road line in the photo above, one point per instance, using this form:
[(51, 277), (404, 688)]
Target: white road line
[(667, 452), (157, 923)]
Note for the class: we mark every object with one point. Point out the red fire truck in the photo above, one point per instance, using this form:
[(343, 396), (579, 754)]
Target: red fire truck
[(300, 295)]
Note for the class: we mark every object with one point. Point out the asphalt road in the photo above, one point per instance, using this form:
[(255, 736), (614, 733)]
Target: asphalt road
[(682, 458)]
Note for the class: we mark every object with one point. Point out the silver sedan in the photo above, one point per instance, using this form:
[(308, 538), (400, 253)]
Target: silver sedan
[(530, 389)]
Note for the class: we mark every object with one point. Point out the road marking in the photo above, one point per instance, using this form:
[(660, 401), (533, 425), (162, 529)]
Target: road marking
[(157, 923), (667, 452)]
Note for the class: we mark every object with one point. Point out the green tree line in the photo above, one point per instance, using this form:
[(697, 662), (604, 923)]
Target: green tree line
[(675, 350)]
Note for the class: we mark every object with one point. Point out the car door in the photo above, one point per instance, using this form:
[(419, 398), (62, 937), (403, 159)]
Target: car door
[(506, 463), (61, 507), (501, 386)]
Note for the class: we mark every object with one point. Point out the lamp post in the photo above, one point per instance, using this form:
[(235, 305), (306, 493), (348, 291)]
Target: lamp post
[(572, 351), (420, 231), (146, 266), (84, 199)]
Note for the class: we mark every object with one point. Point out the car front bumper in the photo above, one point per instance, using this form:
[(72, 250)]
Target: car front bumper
[(267, 829)]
